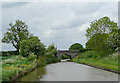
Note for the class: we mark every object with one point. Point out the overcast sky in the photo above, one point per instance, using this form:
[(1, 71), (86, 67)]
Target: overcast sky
[(61, 23)]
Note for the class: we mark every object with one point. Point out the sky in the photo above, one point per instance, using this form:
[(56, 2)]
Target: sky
[(61, 23)]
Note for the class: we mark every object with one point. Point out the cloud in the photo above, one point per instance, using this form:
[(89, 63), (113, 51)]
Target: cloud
[(119, 14), (60, 23), (61, 1), (13, 4)]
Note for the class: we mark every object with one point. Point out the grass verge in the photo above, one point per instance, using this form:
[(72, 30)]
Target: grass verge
[(14, 67), (107, 63)]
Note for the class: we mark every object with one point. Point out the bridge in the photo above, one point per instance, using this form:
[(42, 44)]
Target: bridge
[(71, 53)]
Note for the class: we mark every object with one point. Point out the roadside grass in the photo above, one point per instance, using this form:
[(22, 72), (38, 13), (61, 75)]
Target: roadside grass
[(109, 62)]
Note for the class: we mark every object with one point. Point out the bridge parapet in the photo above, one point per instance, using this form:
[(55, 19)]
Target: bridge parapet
[(71, 53)]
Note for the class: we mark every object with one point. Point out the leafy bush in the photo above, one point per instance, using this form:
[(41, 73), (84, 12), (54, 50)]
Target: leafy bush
[(91, 54), (51, 59), (98, 43), (8, 53), (31, 45), (87, 54), (8, 75), (32, 56), (41, 61), (51, 52)]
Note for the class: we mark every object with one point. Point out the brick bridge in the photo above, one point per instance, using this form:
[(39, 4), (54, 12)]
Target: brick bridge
[(71, 53)]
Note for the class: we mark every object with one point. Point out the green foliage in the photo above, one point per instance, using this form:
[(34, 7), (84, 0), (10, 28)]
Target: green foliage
[(4, 57), (88, 57), (76, 46), (9, 53), (51, 49), (31, 45), (90, 54), (11, 67), (16, 33), (32, 56), (96, 55), (51, 52), (102, 25), (18, 65), (98, 42), (41, 61), (32, 52), (99, 35), (8, 75), (114, 39)]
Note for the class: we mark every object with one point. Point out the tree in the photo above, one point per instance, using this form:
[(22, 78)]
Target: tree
[(98, 42), (103, 25), (98, 33), (51, 52), (76, 46), (16, 33), (114, 39), (32, 45)]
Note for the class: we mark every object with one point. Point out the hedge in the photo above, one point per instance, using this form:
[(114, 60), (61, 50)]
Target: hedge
[(9, 53)]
